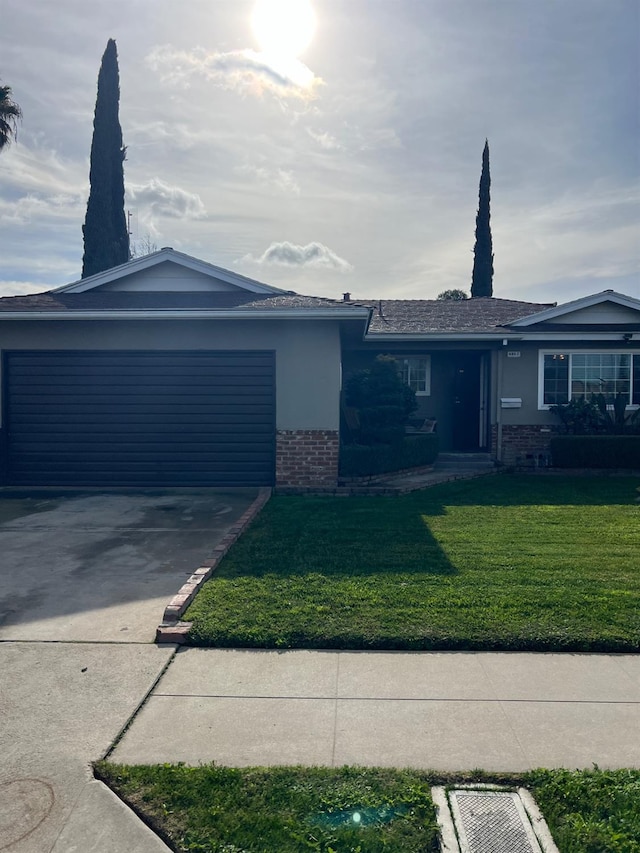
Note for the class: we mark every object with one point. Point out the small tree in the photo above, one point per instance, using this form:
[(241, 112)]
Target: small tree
[(383, 401), (454, 295), (144, 246)]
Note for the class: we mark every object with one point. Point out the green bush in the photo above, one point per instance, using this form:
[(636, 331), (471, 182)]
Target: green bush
[(596, 451), (357, 460), (383, 401)]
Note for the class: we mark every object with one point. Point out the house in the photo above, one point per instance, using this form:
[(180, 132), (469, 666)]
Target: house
[(170, 371), (489, 369)]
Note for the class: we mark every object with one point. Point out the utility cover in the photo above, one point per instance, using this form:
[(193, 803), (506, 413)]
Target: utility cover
[(492, 822)]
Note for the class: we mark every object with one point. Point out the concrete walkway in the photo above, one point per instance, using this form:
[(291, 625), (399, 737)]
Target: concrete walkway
[(442, 711)]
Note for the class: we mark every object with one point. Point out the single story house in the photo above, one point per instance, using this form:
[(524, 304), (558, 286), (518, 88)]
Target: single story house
[(170, 371)]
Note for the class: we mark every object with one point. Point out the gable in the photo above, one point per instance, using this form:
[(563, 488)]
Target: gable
[(603, 314), (167, 277), (169, 271), (600, 311)]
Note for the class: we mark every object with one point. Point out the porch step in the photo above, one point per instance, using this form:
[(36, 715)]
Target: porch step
[(463, 462)]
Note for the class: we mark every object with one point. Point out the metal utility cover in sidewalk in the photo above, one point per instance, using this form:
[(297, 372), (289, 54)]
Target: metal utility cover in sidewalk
[(492, 822)]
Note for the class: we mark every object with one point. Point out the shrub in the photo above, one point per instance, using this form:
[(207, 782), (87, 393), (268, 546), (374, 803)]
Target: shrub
[(579, 416), (596, 451), (598, 416), (383, 401), (358, 460)]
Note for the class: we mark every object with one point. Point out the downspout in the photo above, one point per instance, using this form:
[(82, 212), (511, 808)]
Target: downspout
[(499, 409)]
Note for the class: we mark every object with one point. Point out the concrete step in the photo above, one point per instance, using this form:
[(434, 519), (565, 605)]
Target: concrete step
[(463, 462)]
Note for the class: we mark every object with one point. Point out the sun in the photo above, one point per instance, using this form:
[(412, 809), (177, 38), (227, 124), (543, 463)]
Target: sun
[(283, 28)]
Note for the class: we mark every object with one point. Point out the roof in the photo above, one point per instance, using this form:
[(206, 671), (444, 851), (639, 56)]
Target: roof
[(202, 301), (430, 316)]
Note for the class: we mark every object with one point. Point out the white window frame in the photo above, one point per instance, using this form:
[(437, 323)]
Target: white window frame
[(542, 406), (402, 359)]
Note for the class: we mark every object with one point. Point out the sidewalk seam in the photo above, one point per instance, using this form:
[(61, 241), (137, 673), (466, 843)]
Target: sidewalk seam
[(335, 711), (138, 708)]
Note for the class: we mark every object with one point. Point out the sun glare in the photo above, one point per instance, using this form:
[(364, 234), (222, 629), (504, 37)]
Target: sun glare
[(283, 28)]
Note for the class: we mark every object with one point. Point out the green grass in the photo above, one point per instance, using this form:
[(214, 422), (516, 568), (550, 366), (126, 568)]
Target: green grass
[(508, 562), (280, 810), (293, 809), (590, 811)]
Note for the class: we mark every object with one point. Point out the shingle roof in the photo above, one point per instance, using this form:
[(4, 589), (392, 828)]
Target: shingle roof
[(97, 300), (424, 316)]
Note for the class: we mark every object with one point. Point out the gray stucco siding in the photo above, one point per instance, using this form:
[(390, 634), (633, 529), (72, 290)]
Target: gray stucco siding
[(307, 353), (520, 379)]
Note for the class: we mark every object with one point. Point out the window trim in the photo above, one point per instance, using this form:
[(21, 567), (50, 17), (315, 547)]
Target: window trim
[(542, 406), (427, 381)]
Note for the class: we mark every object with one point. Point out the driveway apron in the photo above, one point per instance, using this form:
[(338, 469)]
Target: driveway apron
[(100, 567), (84, 579)]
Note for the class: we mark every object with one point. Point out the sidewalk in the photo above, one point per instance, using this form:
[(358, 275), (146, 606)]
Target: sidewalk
[(442, 711)]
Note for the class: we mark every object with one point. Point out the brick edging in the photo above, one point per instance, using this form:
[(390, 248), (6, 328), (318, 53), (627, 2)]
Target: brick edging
[(171, 629)]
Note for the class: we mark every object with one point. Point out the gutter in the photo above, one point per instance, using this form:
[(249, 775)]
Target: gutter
[(274, 314), (498, 336)]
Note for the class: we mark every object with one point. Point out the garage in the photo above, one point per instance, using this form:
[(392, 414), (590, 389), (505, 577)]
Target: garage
[(114, 418)]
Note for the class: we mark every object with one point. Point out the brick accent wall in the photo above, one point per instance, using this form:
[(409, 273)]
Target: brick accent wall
[(522, 444), (307, 457)]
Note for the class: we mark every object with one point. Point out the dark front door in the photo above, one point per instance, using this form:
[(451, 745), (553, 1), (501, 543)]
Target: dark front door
[(466, 402)]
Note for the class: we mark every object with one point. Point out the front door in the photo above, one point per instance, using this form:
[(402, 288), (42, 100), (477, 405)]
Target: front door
[(466, 402)]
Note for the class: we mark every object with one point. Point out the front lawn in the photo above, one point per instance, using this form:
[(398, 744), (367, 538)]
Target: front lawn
[(358, 810), (502, 562)]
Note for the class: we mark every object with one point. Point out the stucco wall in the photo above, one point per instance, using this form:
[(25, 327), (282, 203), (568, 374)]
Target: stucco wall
[(520, 379), (307, 353)]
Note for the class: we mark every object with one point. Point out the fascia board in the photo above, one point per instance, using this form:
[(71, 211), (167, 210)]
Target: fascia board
[(576, 305), (585, 337), (441, 336), (179, 258), (274, 314)]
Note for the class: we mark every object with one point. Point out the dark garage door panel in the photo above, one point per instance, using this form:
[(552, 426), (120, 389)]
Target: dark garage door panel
[(139, 419)]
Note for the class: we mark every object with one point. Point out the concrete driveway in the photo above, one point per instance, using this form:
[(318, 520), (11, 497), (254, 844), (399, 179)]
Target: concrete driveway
[(100, 567), (84, 579)]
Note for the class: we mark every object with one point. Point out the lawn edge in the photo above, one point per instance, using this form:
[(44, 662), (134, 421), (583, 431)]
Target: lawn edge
[(171, 630)]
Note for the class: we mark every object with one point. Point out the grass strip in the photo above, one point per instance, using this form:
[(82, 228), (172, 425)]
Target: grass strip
[(280, 810), (286, 809), (590, 811), (500, 563)]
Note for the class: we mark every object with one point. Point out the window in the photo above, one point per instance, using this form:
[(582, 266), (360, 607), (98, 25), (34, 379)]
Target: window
[(416, 373), (568, 376)]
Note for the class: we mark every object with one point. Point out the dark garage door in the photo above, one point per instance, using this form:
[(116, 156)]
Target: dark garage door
[(140, 418)]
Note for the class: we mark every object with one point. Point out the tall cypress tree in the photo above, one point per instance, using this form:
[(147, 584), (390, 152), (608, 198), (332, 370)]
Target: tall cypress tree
[(482, 279), (106, 238)]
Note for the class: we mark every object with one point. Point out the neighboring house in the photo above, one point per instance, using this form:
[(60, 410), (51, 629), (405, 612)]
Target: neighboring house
[(171, 371)]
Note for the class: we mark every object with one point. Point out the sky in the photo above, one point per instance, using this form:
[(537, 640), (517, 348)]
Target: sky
[(349, 165)]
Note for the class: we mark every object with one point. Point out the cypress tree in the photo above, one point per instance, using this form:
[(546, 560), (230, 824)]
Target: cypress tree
[(106, 238), (482, 279)]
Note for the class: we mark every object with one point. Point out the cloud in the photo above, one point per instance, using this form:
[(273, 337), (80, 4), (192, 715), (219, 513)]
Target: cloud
[(244, 71), (291, 255), (279, 179), (31, 208), (165, 200), (19, 288), (325, 140)]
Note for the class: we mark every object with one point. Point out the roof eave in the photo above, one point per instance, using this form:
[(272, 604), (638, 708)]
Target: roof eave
[(170, 314)]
